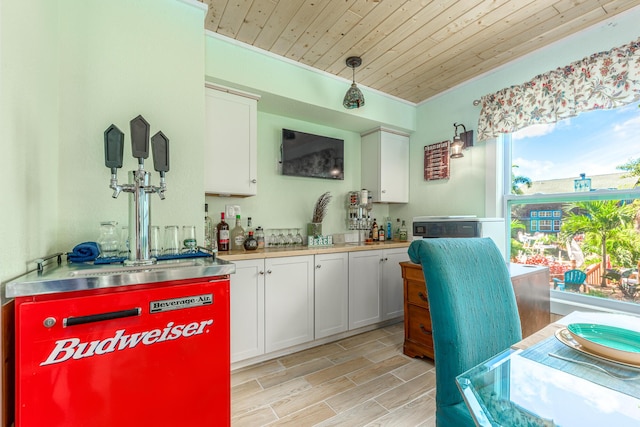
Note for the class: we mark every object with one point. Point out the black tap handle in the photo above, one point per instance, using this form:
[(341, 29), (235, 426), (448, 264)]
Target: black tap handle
[(139, 138), (113, 148), (160, 145)]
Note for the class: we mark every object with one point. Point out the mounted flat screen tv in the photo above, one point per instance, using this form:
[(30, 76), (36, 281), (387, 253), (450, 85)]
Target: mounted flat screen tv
[(315, 156)]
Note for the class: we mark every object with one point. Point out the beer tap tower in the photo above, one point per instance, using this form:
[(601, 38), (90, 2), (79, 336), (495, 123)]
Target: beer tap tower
[(139, 182)]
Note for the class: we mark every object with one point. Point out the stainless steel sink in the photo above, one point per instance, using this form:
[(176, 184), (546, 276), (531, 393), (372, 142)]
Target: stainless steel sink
[(76, 277)]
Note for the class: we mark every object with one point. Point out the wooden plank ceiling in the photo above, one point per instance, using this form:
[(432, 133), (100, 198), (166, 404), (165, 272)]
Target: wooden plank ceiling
[(411, 49)]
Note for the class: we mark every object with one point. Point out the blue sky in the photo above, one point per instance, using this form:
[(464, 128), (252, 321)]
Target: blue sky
[(593, 143)]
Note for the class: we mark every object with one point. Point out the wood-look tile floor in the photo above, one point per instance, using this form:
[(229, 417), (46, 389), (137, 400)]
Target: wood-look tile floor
[(364, 380)]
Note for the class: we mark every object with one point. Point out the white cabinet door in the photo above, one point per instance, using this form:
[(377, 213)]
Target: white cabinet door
[(385, 165), (288, 301), (230, 149), (392, 285), (365, 307), (247, 310), (331, 294)]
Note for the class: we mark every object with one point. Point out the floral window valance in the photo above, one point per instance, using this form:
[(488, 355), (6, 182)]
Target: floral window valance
[(601, 81)]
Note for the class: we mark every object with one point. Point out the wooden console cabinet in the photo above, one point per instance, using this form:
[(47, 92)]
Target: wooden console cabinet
[(530, 285)]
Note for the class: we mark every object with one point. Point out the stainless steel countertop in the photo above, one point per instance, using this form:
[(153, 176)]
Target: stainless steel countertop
[(69, 277)]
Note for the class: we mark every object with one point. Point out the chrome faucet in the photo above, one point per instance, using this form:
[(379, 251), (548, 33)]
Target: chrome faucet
[(139, 182)]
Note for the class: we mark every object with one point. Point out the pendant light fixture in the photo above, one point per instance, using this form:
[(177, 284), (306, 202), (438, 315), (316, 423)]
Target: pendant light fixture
[(354, 97)]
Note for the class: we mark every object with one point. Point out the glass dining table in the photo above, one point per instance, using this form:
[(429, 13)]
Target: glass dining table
[(526, 386)]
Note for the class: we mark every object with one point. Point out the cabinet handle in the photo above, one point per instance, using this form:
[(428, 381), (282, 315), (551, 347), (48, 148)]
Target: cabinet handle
[(386, 259), (268, 271), (253, 181), (383, 191), (424, 330), (423, 297), (318, 266)]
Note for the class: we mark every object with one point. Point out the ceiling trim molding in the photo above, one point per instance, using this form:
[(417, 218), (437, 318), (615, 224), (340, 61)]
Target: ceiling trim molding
[(197, 4)]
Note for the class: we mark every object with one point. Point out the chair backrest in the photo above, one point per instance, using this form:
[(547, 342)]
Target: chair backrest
[(575, 276), (473, 309)]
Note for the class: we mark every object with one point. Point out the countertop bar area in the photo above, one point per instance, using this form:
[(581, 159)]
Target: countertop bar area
[(309, 250)]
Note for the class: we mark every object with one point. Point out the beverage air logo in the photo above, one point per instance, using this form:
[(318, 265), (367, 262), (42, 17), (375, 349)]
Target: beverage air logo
[(74, 349)]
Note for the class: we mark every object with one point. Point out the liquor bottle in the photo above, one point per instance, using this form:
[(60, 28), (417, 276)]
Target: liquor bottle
[(237, 236), (250, 243), (208, 228), (389, 233), (223, 234), (396, 233), (374, 230), (259, 235), (249, 227), (403, 232), (381, 233)]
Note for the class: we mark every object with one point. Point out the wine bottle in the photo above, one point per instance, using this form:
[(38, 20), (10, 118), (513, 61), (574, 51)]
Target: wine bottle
[(223, 234), (237, 236)]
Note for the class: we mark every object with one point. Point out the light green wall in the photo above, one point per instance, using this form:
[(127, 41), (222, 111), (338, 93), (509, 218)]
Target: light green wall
[(69, 70), (29, 133), (120, 59), (286, 201), (295, 91)]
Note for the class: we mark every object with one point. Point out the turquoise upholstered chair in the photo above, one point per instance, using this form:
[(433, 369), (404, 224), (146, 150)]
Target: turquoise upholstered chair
[(473, 313)]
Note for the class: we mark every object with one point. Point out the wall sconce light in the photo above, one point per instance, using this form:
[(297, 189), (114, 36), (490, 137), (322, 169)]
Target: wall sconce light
[(460, 142), (354, 97)]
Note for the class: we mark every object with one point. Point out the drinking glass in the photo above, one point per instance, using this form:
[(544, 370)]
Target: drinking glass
[(298, 238), (154, 241), (123, 247), (273, 240), (189, 239), (281, 239), (171, 240), (290, 238)]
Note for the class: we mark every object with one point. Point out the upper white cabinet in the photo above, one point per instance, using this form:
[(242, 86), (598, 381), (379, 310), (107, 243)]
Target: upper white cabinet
[(230, 148), (385, 165)]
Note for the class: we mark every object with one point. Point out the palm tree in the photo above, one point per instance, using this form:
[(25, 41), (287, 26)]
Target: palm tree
[(599, 220), (632, 167), (517, 181)]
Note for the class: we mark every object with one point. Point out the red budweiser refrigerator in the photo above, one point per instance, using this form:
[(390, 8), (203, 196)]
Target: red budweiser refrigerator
[(143, 355)]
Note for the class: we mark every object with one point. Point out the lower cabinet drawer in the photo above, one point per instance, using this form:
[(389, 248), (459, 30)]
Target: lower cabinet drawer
[(417, 293), (419, 328)]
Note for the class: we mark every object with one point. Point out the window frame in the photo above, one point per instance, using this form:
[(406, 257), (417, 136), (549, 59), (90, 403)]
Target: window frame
[(562, 303)]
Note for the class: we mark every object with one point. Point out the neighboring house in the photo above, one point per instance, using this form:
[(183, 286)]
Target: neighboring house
[(547, 217)]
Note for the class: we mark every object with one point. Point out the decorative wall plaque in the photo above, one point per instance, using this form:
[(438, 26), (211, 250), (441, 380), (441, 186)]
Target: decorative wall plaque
[(436, 161)]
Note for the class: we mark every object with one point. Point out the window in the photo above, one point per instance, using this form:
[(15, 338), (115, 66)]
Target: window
[(565, 174)]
